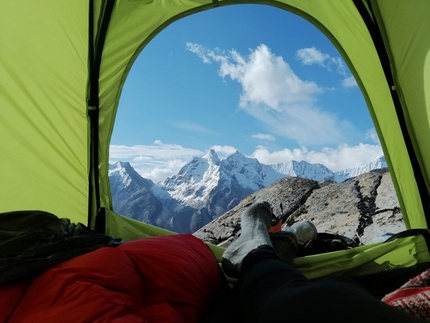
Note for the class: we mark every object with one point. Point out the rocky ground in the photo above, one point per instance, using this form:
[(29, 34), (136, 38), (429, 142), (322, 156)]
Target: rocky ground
[(364, 208)]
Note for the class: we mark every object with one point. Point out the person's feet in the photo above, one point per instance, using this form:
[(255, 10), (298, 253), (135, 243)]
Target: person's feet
[(286, 241), (304, 231), (255, 224), (285, 244)]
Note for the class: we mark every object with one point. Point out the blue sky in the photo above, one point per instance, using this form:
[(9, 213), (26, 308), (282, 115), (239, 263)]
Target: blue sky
[(252, 78)]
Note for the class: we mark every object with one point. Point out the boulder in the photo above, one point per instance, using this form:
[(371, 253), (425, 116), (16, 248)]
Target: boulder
[(364, 208)]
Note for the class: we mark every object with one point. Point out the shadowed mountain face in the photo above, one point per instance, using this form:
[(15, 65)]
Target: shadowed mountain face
[(203, 190)]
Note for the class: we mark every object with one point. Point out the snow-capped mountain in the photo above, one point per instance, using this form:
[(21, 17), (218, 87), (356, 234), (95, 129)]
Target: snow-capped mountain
[(377, 163), (194, 181), (208, 182), (248, 172), (139, 198), (207, 187), (317, 172)]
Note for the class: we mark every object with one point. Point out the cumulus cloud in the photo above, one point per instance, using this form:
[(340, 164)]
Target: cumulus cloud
[(340, 158), (349, 82), (159, 160), (223, 151), (265, 78), (264, 136), (276, 96), (201, 52), (372, 135), (155, 162), (312, 56), (190, 126)]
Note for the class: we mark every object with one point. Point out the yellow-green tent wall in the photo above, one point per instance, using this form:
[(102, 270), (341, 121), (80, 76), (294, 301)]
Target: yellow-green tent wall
[(63, 64), (43, 114)]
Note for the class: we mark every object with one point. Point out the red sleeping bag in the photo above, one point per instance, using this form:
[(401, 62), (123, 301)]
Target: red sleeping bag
[(160, 279)]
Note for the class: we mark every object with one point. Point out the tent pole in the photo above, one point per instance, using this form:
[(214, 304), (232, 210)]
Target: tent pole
[(95, 51)]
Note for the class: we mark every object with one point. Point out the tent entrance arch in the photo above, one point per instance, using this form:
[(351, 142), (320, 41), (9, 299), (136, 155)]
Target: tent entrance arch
[(174, 82)]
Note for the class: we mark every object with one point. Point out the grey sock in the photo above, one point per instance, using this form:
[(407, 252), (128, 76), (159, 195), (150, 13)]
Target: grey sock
[(286, 241), (304, 231), (255, 224), (285, 244)]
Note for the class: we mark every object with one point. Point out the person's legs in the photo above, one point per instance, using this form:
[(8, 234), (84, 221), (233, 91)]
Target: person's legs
[(264, 276), (272, 291), (255, 222)]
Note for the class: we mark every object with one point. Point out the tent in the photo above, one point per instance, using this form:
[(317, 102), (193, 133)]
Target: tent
[(63, 64)]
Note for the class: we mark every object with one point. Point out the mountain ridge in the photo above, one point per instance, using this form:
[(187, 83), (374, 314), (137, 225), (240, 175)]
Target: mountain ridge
[(205, 188)]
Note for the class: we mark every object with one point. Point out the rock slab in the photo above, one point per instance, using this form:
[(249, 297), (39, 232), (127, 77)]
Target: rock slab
[(364, 208)]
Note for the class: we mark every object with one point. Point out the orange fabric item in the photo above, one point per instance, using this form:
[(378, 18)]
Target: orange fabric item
[(276, 227), (161, 279)]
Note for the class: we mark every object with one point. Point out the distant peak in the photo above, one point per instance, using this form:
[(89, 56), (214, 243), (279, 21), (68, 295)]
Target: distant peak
[(121, 167), (120, 164), (237, 153), (212, 156), (115, 165)]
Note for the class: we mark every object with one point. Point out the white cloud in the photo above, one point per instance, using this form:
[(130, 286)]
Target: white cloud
[(263, 136), (158, 161), (342, 157), (200, 51), (158, 149), (268, 80), (275, 95), (372, 135), (265, 78), (190, 126), (310, 56), (336, 64), (161, 172), (349, 82), (224, 151), (155, 162)]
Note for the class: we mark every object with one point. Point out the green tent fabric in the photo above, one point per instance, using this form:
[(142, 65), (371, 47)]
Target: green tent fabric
[(63, 64)]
